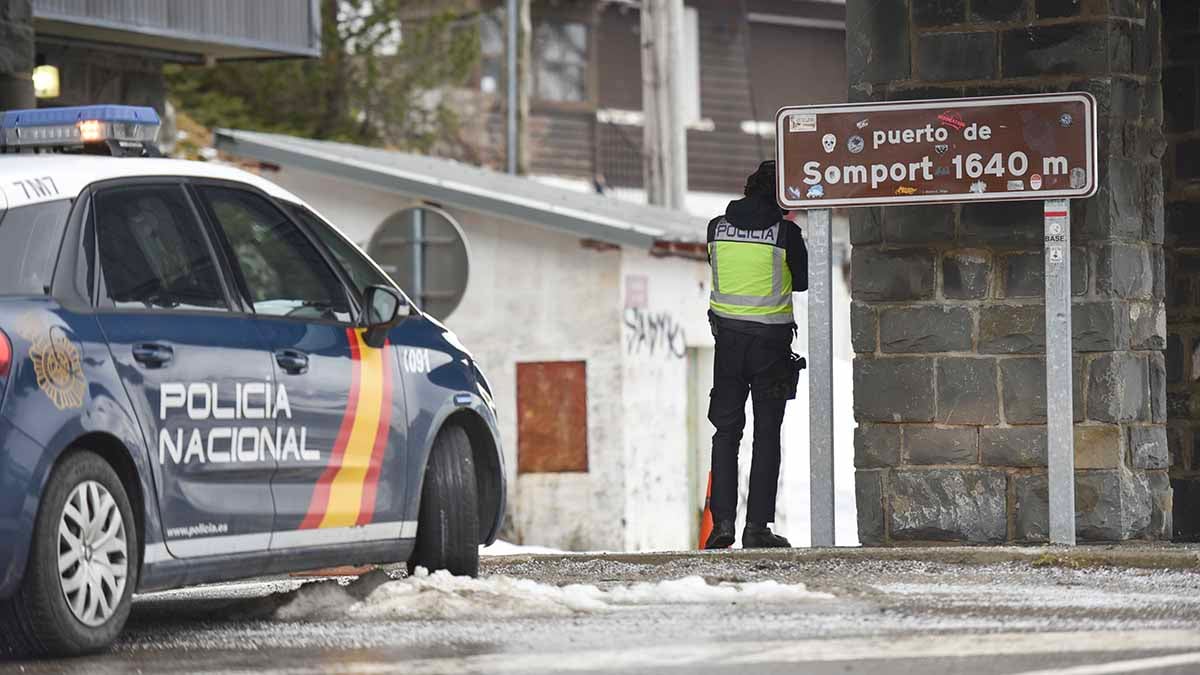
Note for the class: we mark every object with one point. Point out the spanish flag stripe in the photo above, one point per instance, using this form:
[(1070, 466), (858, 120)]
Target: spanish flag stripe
[(320, 497), (346, 488), (367, 512)]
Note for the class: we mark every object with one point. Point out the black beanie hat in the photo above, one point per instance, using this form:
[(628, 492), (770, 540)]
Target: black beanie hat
[(762, 181)]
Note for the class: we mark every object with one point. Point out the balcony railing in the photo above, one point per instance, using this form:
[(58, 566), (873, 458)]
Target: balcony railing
[(217, 28)]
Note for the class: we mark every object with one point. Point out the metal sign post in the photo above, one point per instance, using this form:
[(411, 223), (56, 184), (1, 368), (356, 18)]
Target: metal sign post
[(1060, 434), (988, 149), (820, 375)]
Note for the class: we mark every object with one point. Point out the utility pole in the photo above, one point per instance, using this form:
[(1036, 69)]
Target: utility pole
[(517, 71), (518, 50), (664, 153), (512, 24)]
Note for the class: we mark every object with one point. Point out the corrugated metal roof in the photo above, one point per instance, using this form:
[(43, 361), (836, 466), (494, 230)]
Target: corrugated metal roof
[(452, 183), (223, 28)]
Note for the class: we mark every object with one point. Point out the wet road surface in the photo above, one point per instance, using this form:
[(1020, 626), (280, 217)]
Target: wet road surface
[(727, 615)]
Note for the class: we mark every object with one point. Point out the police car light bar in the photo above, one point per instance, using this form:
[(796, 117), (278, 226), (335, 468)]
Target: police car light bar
[(119, 129)]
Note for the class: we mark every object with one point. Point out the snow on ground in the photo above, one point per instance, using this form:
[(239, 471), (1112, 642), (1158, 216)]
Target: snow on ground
[(441, 595), (501, 547)]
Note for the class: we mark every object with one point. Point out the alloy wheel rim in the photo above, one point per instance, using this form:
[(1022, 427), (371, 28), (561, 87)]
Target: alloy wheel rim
[(93, 553)]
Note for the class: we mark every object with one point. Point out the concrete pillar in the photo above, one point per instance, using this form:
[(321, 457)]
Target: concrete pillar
[(16, 54), (948, 317), (1181, 171)]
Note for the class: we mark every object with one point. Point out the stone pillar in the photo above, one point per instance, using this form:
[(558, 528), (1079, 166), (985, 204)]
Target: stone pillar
[(1181, 171), (948, 316), (16, 54)]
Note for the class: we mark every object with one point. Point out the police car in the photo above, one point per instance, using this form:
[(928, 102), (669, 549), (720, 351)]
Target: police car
[(201, 380)]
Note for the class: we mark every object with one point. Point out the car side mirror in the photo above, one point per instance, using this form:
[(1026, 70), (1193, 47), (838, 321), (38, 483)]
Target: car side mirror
[(383, 309)]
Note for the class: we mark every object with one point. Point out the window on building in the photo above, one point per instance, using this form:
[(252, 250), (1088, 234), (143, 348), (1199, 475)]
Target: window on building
[(491, 51), (425, 251), (560, 59), (777, 48), (552, 417)]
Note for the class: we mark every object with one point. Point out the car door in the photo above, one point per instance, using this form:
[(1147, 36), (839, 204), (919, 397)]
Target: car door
[(345, 406), (194, 366)]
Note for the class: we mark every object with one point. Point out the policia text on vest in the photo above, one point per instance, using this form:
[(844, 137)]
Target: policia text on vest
[(758, 260), (751, 281)]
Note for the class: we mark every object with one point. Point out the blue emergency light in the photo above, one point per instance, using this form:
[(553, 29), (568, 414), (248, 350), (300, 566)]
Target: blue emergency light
[(115, 129)]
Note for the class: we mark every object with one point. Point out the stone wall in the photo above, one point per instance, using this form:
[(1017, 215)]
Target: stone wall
[(948, 318), (1181, 171), (16, 54)]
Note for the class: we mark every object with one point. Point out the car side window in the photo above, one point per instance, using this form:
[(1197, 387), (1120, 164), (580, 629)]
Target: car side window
[(284, 273), (361, 272), (153, 253)]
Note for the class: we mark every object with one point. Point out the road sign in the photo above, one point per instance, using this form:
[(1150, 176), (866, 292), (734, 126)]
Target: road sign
[(1000, 148), (949, 150)]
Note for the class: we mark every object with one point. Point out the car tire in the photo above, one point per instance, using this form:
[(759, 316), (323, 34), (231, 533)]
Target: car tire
[(448, 525), (39, 619)]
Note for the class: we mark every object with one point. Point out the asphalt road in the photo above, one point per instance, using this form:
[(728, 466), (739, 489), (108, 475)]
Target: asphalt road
[(583, 615)]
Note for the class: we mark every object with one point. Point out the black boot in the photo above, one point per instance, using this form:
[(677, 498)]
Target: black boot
[(721, 536), (760, 536)]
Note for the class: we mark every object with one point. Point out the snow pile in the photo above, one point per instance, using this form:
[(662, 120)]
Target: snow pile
[(443, 596), (316, 601), (501, 547)]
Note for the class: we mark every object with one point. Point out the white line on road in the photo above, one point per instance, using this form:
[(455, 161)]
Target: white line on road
[(1131, 666), (711, 655)]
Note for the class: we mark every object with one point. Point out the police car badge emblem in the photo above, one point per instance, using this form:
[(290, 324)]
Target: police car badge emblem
[(58, 367), (57, 364)]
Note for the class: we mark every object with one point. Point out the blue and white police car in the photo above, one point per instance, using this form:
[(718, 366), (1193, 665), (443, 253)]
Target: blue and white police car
[(201, 379)]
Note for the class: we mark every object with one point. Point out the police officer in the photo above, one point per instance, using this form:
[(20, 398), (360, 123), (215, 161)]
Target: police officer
[(758, 260)]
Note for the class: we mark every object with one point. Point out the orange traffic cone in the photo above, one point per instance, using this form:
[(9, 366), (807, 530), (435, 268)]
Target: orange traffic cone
[(706, 521)]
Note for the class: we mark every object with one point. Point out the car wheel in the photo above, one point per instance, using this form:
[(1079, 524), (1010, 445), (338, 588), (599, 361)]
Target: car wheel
[(83, 565), (448, 526)]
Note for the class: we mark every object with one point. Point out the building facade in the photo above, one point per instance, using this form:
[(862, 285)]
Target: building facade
[(947, 320), (586, 90), (114, 51)]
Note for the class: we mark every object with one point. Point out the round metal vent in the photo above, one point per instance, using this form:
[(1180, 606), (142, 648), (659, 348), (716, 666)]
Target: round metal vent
[(425, 251)]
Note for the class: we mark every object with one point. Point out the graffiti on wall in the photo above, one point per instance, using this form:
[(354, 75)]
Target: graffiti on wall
[(654, 334)]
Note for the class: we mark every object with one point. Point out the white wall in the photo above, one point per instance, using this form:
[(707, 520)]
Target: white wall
[(655, 339), (657, 448)]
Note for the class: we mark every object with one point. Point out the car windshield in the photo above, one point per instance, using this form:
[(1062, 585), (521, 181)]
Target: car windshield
[(30, 237)]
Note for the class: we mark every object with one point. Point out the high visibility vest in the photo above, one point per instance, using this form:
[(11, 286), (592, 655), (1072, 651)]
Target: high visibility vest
[(751, 280)]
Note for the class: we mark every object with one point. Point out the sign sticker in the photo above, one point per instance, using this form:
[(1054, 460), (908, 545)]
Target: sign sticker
[(802, 122), (1078, 178)]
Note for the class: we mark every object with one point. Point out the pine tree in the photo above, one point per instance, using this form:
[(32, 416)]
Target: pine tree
[(379, 81)]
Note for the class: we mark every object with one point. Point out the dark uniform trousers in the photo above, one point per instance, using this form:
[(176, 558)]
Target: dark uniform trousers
[(762, 367)]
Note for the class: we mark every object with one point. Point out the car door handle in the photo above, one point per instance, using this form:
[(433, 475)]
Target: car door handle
[(152, 354), (293, 361)]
